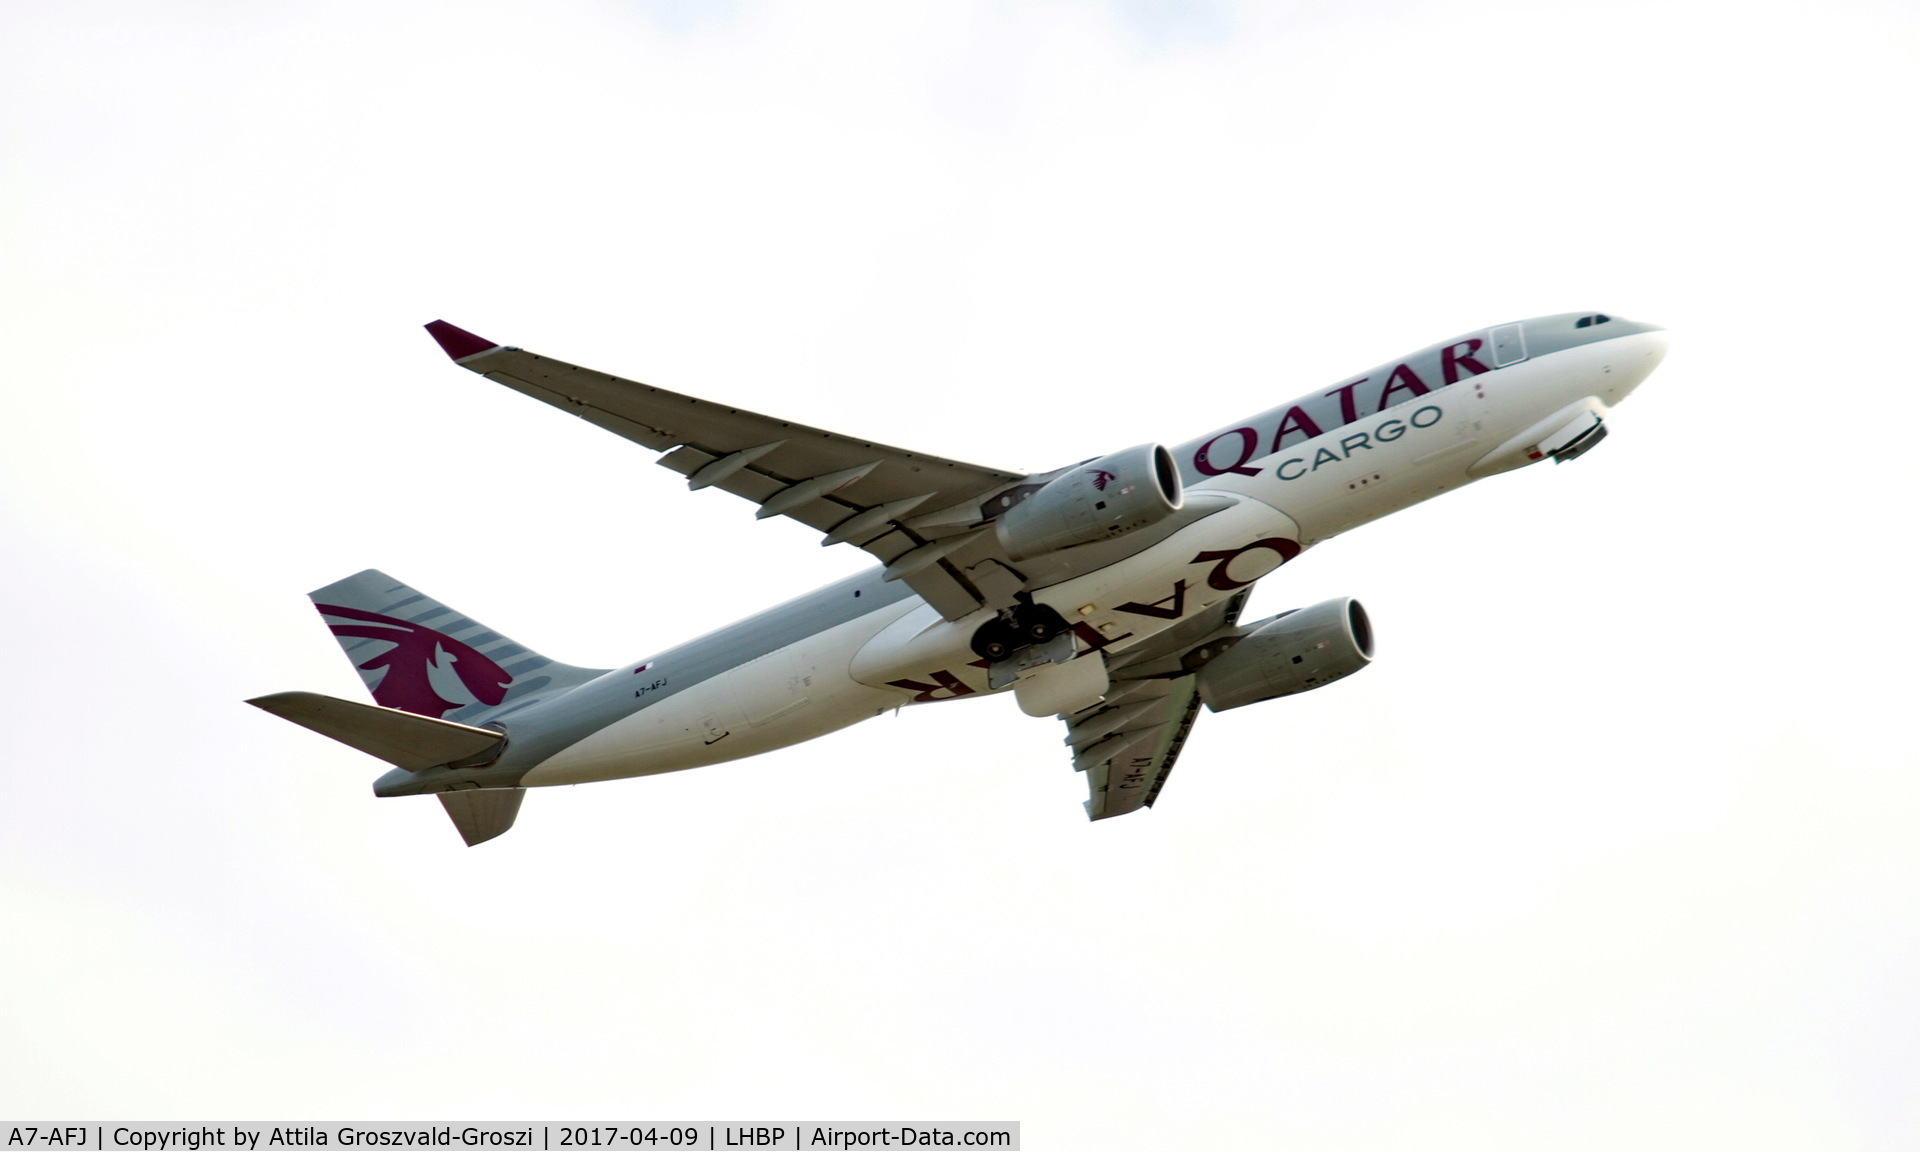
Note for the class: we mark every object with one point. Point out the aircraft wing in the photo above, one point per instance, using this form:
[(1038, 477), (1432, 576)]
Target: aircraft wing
[(1127, 743), (917, 514)]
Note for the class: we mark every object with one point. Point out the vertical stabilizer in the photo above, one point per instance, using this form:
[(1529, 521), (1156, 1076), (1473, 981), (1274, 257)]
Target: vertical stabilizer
[(418, 655), (482, 813)]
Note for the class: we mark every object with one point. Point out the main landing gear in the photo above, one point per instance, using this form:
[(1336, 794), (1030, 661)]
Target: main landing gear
[(1024, 625)]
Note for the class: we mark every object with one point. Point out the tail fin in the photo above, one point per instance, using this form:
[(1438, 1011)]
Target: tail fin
[(418, 655), (480, 814)]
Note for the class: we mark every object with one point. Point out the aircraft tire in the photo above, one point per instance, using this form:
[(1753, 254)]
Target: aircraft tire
[(995, 641)]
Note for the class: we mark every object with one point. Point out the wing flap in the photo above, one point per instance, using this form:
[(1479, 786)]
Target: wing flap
[(1126, 769)]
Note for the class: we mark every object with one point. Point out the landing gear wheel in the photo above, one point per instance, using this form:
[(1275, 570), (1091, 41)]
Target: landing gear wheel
[(1037, 623), (995, 641)]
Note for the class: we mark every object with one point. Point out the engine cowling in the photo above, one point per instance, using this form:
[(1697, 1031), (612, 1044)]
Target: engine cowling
[(1565, 435), (1293, 652), (1095, 501)]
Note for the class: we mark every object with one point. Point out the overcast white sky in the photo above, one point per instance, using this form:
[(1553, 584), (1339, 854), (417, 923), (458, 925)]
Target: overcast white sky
[(1615, 846)]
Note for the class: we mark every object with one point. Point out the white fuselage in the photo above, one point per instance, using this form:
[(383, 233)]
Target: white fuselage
[(1271, 506)]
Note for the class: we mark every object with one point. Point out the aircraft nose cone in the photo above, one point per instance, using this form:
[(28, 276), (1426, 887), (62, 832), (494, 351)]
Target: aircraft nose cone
[(1640, 353), (1639, 339), (1655, 341)]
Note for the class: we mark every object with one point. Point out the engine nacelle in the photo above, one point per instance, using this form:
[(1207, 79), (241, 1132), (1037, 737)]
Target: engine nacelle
[(1096, 501), (1292, 652), (1566, 435)]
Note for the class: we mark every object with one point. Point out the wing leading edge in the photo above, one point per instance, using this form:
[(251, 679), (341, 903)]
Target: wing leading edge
[(917, 514)]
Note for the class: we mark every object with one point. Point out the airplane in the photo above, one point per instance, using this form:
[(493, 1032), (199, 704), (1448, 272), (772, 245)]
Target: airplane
[(1107, 593)]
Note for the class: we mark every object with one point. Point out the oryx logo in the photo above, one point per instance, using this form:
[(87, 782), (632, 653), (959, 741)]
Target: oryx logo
[(418, 653), (1101, 478)]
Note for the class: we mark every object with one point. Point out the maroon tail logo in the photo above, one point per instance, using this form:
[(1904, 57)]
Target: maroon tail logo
[(1101, 478), (408, 684)]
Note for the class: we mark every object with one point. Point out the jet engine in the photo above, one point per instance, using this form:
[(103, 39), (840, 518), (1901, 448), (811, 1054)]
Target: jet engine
[(1095, 501), (1292, 652)]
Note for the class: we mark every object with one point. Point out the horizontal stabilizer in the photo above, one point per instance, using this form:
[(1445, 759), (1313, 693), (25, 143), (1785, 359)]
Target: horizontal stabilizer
[(400, 738), (480, 814)]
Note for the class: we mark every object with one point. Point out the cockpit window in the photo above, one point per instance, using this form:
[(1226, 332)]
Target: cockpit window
[(1589, 321)]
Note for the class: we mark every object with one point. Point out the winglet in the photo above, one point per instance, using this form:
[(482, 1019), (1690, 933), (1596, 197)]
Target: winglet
[(458, 342)]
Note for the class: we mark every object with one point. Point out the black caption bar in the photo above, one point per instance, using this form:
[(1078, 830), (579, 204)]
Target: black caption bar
[(705, 1135)]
